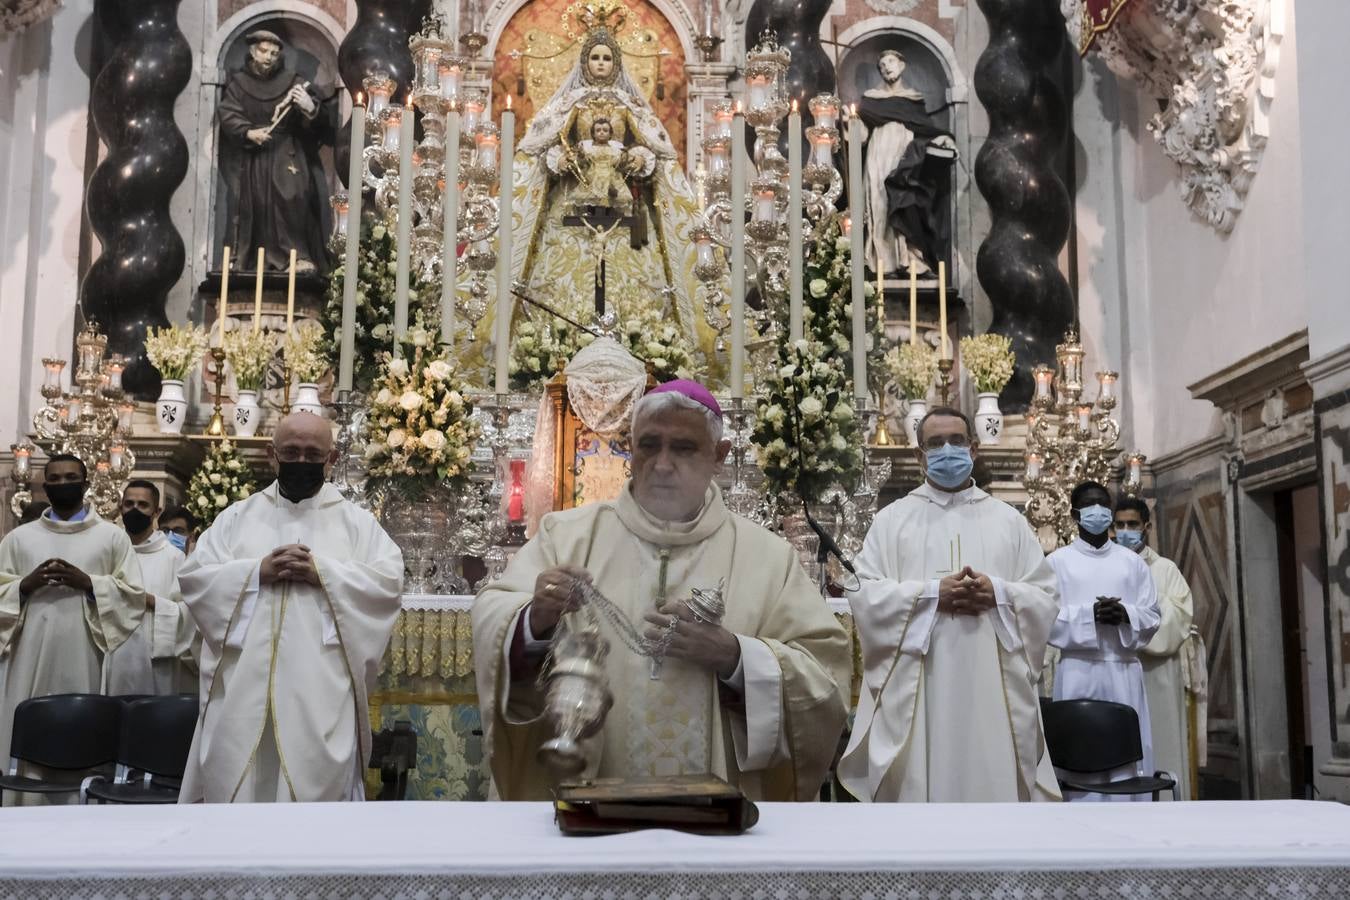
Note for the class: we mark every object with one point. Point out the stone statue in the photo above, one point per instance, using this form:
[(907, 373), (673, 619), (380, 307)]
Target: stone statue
[(276, 122), (908, 174)]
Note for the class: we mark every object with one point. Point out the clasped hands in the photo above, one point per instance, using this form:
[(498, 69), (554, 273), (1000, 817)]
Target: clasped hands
[(1109, 611), (53, 572), (966, 593), (699, 643), (293, 562)]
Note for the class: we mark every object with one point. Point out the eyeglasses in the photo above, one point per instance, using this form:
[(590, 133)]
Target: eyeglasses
[(291, 455), (938, 441)]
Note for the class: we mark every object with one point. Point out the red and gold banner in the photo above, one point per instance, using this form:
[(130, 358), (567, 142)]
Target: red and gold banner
[(1098, 16)]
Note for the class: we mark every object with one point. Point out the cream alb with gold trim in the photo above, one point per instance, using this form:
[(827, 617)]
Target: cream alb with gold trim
[(287, 667), (159, 656), (948, 709), (776, 740)]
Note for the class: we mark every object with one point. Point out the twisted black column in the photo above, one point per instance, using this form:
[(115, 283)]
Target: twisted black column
[(148, 63), (377, 43), (1015, 171)]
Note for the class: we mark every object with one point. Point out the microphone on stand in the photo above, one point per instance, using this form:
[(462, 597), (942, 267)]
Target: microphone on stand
[(827, 544)]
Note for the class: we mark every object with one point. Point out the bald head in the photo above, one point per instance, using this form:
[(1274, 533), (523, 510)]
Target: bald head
[(305, 430), (302, 451)]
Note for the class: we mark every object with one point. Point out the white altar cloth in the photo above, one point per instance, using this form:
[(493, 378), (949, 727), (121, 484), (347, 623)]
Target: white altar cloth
[(475, 850)]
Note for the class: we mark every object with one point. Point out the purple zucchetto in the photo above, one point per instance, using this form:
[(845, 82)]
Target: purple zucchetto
[(691, 389)]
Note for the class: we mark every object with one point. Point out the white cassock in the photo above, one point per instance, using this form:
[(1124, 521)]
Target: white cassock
[(1166, 676), (286, 668), (157, 658), (54, 641), (948, 709), (1101, 662)]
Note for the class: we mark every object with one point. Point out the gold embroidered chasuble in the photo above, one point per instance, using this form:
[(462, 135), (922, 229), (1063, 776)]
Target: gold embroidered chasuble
[(775, 741), (286, 667)]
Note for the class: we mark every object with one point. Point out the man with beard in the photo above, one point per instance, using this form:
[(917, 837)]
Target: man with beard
[(276, 120), (70, 593)]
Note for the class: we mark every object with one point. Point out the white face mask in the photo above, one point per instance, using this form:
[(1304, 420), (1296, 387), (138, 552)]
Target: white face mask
[(1129, 538), (1095, 519)]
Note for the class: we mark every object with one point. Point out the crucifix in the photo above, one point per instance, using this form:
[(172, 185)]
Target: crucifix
[(601, 221)]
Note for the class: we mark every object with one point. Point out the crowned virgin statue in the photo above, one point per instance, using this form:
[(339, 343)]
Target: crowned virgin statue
[(597, 178)]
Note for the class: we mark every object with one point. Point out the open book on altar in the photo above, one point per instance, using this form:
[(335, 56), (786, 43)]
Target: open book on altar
[(700, 804)]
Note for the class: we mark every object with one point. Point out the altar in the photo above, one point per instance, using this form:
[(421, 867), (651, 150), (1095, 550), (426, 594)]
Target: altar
[(505, 850)]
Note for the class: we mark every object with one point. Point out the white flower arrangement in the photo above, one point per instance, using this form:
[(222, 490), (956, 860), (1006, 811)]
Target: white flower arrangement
[(913, 368), (420, 429), (806, 430), (304, 348), (174, 351), (250, 353), (990, 360), (222, 478), (652, 337), (827, 301), (538, 352)]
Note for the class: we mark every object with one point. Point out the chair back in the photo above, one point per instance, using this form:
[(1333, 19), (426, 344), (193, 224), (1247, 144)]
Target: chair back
[(1091, 735), (66, 731), (157, 734)]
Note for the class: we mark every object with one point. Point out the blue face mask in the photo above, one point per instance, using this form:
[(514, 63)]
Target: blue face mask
[(176, 539), (1095, 519), (1129, 539), (949, 466)]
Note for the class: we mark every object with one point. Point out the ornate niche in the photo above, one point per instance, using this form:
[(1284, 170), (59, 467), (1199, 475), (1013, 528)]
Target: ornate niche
[(1210, 65)]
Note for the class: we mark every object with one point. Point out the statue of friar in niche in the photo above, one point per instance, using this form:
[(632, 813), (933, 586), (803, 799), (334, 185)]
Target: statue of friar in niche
[(908, 174), (277, 121)]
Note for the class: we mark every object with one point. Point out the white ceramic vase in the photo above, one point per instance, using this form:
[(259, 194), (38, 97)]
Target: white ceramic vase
[(247, 414), (988, 419), (171, 407), (915, 410), (307, 399)]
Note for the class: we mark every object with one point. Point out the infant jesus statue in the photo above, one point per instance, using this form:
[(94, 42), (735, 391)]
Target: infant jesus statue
[(601, 159)]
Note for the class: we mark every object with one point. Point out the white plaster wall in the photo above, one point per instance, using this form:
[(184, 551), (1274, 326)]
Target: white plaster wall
[(44, 97)]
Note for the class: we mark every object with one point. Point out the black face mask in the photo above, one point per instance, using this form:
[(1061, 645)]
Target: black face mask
[(135, 521), (299, 480), (67, 495)]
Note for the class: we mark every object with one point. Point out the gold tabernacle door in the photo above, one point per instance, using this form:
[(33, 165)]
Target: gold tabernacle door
[(699, 804)]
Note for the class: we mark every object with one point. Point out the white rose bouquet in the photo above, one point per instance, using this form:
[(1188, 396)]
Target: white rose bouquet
[(650, 336), (175, 351), (419, 423), (806, 431), (304, 348), (222, 478), (538, 352), (989, 359), (827, 302), (250, 353), (913, 368)]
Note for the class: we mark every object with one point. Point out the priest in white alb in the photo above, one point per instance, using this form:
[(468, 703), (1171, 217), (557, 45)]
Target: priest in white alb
[(1108, 614), (953, 615), (158, 657), (1166, 658), (295, 591), (70, 593), (759, 700)]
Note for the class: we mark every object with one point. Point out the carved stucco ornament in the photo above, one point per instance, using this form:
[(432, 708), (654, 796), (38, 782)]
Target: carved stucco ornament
[(893, 7), (1210, 64)]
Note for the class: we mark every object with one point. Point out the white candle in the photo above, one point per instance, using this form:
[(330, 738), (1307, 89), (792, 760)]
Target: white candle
[(403, 270), (707, 17), (290, 293), (224, 290), (858, 290), (504, 304), (913, 306), (355, 173), (942, 307), (737, 312), (450, 228), (257, 293), (795, 223)]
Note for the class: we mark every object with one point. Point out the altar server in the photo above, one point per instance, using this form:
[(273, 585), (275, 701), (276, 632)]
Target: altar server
[(295, 591), (157, 658), (1167, 681), (1108, 613), (955, 608), (70, 592), (759, 700)]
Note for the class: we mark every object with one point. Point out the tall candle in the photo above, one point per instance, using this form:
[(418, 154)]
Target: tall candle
[(737, 313), (795, 223), (355, 175), (450, 227), (403, 268), (224, 289), (855, 203), (913, 305), (257, 292), (290, 294), (942, 306), (503, 323)]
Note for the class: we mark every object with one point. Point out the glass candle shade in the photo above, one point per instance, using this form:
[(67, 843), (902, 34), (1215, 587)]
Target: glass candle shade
[(1134, 468), (125, 412), (22, 459), (825, 110), (472, 113), (765, 209), (378, 89), (451, 77), (341, 206), (822, 150), (1084, 417), (848, 226), (52, 369), (115, 455), (1107, 382), (392, 122), (1034, 463), (1045, 382), (72, 411), (757, 87), (723, 115), (485, 155)]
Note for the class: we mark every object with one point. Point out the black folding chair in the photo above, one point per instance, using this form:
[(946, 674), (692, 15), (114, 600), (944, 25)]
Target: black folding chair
[(65, 732), (1095, 736), (155, 741)]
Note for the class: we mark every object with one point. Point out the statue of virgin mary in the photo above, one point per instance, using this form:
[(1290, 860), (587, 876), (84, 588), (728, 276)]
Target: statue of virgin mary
[(649, 255)]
